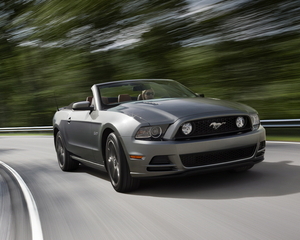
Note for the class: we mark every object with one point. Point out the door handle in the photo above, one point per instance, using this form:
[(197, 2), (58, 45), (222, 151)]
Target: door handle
[(69, 120)]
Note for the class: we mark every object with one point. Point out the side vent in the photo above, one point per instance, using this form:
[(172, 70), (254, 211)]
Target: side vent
[(261, 149), (160, 163)]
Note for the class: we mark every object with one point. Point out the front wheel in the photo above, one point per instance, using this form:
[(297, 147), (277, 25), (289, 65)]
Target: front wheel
[(117, 166), (65, 162)]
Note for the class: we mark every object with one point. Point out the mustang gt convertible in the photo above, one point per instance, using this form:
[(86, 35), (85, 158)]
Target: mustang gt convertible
[(135, 129)]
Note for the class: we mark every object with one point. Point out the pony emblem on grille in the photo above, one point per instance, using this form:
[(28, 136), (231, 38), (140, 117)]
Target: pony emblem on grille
[(216, 125)]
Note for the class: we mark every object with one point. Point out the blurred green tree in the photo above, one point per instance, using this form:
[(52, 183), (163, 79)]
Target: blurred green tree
[(240, 50), (10, 33)]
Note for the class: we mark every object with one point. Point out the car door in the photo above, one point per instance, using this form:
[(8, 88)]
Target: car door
[(78, 133), (96, 117)]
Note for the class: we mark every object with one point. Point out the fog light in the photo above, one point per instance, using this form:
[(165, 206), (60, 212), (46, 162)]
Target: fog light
[(187, 128), (240, 122)]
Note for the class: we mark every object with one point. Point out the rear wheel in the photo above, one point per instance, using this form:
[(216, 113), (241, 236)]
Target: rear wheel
[(65, 162), (117, 166)]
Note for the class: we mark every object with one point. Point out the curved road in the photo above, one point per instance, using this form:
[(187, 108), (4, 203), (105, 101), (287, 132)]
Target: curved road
[(263, 203)]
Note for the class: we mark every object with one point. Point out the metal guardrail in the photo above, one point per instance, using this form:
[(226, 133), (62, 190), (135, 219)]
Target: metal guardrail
[(276, 123), (26, 129), (281, 123)]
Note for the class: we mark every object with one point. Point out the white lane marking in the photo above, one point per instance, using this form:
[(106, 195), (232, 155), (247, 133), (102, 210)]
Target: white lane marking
[(283, 142), (35, 222)]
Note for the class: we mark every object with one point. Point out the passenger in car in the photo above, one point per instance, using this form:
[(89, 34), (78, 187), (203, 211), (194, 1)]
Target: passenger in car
[(148, 94)]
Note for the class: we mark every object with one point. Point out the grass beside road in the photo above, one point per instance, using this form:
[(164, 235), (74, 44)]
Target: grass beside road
[(283, 138), (283, 134)]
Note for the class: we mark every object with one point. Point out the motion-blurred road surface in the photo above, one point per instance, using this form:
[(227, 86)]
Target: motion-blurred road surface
[(262, 203)]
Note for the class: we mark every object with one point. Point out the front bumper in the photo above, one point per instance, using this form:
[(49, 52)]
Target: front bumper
[(216, 150)]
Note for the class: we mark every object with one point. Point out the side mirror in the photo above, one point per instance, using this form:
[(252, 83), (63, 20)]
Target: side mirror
[(200, 95), (84, 105)]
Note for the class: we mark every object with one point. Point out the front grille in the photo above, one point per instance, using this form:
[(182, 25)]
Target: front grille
[(217, 157), (205, 127)]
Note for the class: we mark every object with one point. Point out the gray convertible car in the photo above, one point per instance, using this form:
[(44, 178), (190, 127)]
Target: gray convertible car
[(135, 129)]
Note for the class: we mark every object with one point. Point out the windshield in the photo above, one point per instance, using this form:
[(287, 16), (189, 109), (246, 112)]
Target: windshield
[(140, 90)]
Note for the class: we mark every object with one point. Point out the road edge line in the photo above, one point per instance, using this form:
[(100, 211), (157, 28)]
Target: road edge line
[(35, 223)]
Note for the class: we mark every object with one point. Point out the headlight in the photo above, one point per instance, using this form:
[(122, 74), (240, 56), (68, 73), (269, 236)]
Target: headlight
[(149, 132), (255, 121), (187, 128), (156, 132)]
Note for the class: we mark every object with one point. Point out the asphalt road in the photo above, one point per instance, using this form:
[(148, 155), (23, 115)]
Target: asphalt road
[(262, 203)]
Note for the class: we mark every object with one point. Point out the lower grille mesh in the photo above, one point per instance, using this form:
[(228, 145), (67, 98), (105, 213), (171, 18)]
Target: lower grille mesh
[(216, 157)]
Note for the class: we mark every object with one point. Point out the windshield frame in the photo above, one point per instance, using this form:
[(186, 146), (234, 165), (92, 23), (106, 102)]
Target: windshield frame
[(110, 92)]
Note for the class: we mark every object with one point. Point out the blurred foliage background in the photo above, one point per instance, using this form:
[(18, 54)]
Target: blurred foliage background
[(53, 51)]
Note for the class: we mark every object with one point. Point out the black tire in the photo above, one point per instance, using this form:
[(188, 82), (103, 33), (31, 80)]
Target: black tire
[(117, 166), (65, 162)]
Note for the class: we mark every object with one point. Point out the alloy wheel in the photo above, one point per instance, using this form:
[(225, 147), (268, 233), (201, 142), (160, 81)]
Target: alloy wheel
[(113, 163)]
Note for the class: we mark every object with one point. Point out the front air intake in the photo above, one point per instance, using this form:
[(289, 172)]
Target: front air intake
[(217, 157)]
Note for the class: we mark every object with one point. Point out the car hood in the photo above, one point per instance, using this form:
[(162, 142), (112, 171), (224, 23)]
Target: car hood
[(170, 110)]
